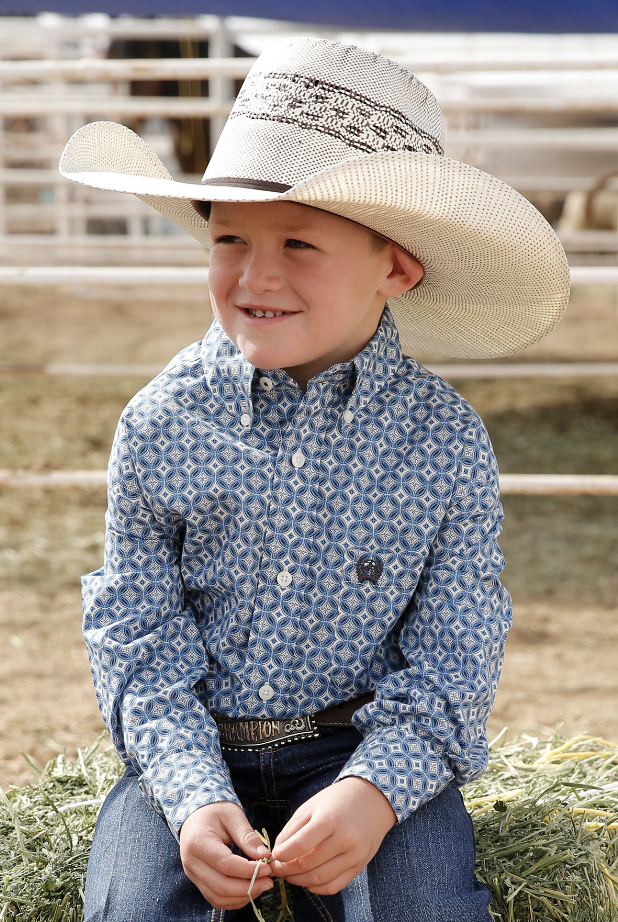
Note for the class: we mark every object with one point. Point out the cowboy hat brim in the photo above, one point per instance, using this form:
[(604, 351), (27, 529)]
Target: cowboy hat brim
[(496, 276)]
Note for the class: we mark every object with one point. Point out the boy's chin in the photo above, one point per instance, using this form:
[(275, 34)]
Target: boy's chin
[(266, 358)]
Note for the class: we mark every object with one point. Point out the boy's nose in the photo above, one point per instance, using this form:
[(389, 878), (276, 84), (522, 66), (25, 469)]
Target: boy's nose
[(259, 274)]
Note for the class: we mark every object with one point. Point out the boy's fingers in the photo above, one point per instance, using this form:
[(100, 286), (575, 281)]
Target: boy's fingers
[(322, 878), (301, 842), (336, 884), (222, 891), (296, 822), (324, 852), (245, 837), (223, 861)]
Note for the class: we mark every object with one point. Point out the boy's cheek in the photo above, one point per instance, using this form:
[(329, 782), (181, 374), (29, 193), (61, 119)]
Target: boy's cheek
[(220, 280)]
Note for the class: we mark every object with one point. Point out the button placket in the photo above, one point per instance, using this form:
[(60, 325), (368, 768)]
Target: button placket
[(275, 579), (261, 637)]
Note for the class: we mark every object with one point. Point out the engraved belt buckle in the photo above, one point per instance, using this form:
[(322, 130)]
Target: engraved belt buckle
[(250, 734)]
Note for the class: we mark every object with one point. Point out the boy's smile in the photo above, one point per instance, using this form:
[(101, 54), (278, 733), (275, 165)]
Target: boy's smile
[(298, 288)]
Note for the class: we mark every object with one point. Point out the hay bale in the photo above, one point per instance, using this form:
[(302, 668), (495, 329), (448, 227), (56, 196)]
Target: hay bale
[(546, 821), (46, 831), (545, 815)]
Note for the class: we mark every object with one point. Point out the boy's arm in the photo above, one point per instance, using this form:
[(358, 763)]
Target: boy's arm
[(426, 725), (146, 652)]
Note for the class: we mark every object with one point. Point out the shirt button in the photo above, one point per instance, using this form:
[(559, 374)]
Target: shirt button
[(266, 384), (245, 420), (266, 692), (284, 579), (348, 416), (298, 458)]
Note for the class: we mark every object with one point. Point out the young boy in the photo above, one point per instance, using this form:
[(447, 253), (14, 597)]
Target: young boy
[(300, 623)]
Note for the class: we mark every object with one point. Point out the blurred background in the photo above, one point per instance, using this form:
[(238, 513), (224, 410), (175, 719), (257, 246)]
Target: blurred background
[(532, 98)]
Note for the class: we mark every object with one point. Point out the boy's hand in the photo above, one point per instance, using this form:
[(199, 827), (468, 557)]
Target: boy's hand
[(222, 877), (332, 836)]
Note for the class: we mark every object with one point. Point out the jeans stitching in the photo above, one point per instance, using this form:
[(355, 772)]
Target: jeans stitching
[(271, 802), (272, 773), (319, 905), (262, 774)]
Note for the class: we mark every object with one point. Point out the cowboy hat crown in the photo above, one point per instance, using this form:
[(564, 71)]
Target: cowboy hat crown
[(308, 104)]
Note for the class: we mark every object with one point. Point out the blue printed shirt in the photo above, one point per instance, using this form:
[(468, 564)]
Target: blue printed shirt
[(221, 479)]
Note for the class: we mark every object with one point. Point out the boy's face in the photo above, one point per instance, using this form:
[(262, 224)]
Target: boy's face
[(298, 288)]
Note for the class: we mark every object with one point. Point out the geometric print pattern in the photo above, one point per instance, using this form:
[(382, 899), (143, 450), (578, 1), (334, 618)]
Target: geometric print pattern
[(239, 508)]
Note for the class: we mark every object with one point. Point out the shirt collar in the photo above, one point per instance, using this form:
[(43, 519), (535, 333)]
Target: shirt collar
[(379, 360), (228, 371)]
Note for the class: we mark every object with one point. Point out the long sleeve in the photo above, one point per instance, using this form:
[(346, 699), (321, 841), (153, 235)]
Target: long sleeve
[(146, 652), (426, 726)]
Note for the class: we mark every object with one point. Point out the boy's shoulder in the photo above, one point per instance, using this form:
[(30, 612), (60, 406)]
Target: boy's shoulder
[(181, 381), (432, 400)]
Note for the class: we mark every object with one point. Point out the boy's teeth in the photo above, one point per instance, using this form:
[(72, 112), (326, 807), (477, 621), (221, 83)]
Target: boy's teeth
[(259, 313), (278, 313), (269, 314)]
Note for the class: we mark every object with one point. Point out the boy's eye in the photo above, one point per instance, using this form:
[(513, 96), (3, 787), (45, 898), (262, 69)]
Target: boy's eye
[(294, 244), (228, 238)]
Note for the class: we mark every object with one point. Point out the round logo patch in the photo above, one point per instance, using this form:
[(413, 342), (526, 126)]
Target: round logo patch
[(370, 568)]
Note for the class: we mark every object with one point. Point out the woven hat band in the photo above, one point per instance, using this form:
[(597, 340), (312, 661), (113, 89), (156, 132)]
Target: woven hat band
[(362, 123), (308, 104)]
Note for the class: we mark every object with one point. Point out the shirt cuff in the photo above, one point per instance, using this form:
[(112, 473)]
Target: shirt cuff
[(404, 768), (179, 783)]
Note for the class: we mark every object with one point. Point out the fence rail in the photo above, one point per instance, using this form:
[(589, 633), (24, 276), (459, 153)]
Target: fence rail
[(120, 106), (91, 70), (105, 275), (196, 275), (126, 107), (451, 371), (88, 69), (576, 139), (510, 484)]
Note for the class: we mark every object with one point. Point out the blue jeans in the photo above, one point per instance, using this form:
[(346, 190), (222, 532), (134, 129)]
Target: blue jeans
[(423, 871)]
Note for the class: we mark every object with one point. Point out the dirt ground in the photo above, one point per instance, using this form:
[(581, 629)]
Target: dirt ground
[(562, 553)]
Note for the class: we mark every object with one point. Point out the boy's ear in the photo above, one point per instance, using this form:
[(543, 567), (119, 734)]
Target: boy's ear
[(405, 274)]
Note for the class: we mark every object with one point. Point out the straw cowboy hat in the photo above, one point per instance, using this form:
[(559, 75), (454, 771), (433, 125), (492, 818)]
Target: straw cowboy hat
[(341, 129)]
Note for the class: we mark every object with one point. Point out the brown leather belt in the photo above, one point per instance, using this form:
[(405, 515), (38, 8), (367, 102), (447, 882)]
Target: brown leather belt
[(251, 733)]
